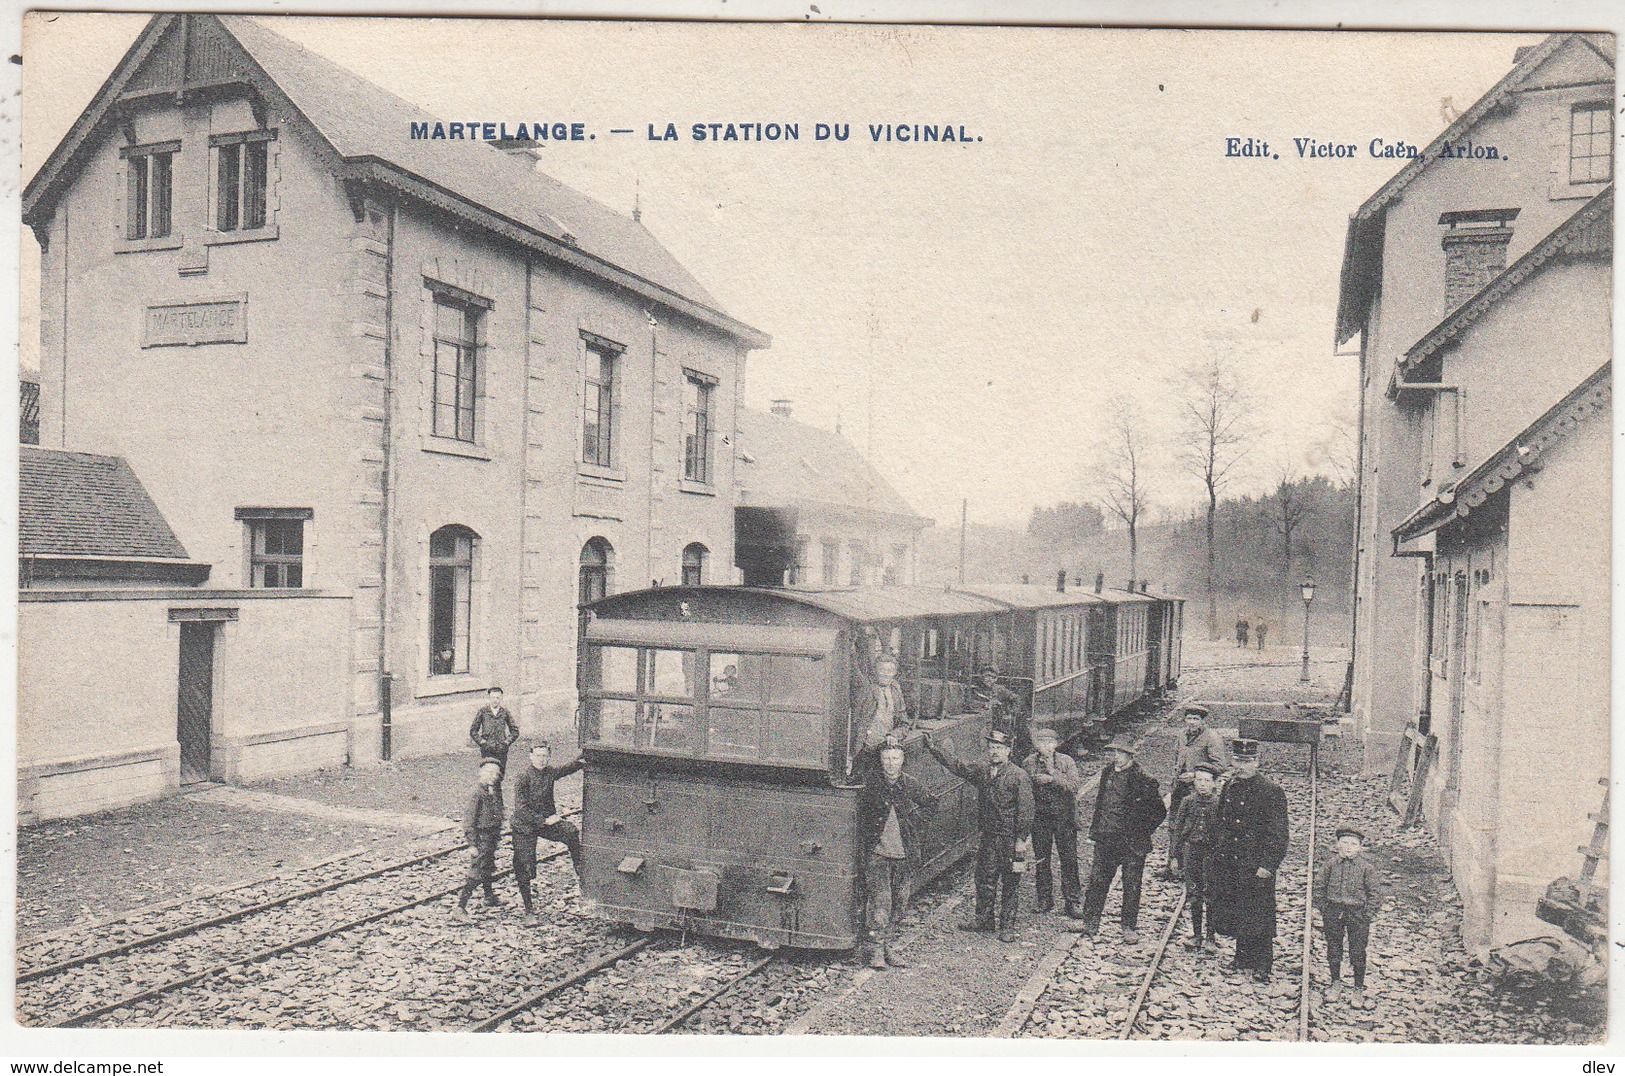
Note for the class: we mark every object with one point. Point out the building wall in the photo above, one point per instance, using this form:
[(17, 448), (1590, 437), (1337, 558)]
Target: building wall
[(887, 546), (1531, 135), (100, 734)]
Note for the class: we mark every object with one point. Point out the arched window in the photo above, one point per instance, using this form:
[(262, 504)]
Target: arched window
[(694, 557), (451, 587), (597, 562)]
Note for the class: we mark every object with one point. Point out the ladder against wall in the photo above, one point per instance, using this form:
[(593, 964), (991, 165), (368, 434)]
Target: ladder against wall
[(1416, 754)]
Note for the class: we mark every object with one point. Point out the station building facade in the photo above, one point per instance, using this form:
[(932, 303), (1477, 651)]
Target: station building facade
[(422, 376), (853, 528), (1480, 289)]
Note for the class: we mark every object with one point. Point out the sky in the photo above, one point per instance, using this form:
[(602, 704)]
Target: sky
[(964, 312)]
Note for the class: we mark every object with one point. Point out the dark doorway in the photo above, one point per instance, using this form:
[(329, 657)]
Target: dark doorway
[(195, 705)]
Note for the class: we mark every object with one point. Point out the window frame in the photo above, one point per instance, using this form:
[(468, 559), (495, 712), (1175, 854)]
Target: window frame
[(701, 560), (141, 196), (1592, 109), (603, 572), (600, 397), (464, 351), (699, 426), (241, 148), (255, 521), (829, 565), (462, 662)]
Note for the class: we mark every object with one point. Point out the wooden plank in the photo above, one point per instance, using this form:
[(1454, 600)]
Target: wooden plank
[(1016, 1017)]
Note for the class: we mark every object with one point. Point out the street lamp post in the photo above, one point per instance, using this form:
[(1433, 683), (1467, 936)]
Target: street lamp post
[(1308, 588)]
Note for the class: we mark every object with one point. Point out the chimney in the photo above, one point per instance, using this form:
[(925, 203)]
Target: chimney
[(524, 150), (1060, 581), (1100, 581), (1145, 584), (1475, 251), (1025, 579), (781, 408), (1131, 585)]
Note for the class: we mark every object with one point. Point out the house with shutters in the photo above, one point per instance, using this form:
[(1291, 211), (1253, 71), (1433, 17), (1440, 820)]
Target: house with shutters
[(421, 378), (1480, 289)]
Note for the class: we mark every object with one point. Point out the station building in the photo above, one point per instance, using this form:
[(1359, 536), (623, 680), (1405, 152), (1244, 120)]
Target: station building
[(421, 380), (852, 527), (1480, 288)]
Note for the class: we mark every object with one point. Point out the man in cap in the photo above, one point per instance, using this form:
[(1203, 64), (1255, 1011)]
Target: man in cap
[(1004, 807), (881, 705), (996, 700), (893, 809), (1128, 810), (1249, 839), (1055, 822), (1200, 746)]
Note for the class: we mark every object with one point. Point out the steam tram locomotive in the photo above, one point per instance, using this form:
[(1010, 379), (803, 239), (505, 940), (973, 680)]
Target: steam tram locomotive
[(723, 751)]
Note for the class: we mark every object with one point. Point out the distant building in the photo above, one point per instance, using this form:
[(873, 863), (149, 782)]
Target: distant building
[(853, 527), (1481, 291), (416, 375)]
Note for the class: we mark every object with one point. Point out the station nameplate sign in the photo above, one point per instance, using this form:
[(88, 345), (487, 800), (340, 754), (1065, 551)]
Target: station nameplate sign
[(208, 321)]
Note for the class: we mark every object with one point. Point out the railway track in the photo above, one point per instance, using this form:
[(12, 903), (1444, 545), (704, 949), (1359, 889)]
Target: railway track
[(216, 945), (1103, 990)]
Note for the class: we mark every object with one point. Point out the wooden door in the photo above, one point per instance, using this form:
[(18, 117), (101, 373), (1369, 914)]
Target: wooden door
[(195, 700)]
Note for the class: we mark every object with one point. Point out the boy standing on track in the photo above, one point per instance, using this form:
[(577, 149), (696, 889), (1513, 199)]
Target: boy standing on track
[(482, 826), (1004, 811), (536, 815), (1189, 841), (1055, 821), (493, 730), (892, 809), (1347, 895)]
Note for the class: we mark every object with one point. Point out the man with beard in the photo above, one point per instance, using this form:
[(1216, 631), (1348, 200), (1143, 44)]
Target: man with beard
[(1249, 839)]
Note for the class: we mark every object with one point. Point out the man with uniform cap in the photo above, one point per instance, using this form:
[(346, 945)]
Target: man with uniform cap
[(1200, 746), (893, 809), (1248, 838), (1128, 810), (1055, 821), (1004, 807)]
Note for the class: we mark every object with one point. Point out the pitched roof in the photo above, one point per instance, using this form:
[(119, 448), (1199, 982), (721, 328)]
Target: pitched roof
[(1591, 397), (367, 131), (1362, 249), (74, 504), (789, 462), (1589, 231)]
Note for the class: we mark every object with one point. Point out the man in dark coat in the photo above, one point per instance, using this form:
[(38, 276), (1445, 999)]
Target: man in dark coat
[(1249, 839), (1055, 821), (893, 809), (1128, 810), (493, 730), (1005, 815), (535, 815)]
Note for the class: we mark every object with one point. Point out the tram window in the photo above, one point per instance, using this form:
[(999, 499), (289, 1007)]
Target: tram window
[(736, 677), (669, 727), (611, 720), (671, 673), (896, 641), (933, 643), (734, 733), (795, 681), (795, 737), (616, 669)]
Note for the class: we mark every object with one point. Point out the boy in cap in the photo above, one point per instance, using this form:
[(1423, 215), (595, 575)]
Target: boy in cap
[(1128, 810), (1188, 844), (1055, 822), (493, 730), (1004, 809), (536, 815), (1249, 834), (1347, 895), (893, 809), (482, 827)]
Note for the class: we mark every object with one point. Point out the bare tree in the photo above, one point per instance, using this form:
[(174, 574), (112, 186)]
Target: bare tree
[(1290, 507), (1120, 472), (1215, 411)]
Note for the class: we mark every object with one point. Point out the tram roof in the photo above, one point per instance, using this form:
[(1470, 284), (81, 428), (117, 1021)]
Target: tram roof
[(1031, 595), (893, 603)]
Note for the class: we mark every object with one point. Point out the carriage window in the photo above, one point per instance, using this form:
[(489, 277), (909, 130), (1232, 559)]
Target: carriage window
[(670, 673), (736, 677), (611, 720), (795, 681), (734, 732), (667, 727), (615, 669), (795, 737)]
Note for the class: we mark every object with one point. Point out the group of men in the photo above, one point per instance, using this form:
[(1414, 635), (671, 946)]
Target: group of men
[(1244, 628), (1230, 837), (535, 815)]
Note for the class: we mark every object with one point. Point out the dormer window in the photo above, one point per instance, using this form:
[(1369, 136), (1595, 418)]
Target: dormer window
[(1591, 143), (150, 191), (242, 171)]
